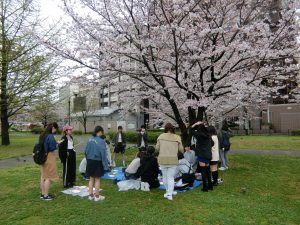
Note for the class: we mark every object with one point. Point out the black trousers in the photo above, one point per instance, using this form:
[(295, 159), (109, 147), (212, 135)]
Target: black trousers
[(69, 169)]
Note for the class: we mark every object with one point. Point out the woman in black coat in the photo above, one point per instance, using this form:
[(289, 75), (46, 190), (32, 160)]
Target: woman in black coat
[(203, 153), (67, 156), (149, 169)]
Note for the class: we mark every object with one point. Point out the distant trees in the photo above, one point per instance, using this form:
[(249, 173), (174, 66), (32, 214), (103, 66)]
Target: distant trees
[(25, 67)]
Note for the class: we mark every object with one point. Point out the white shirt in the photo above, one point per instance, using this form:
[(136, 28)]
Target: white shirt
[(70, 143), (120, 138), (143, 142), (133, 166)]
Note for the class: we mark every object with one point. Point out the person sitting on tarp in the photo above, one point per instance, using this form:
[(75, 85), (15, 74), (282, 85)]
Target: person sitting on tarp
[(149, 170), (184, 171), (189, 155), (131, 170)]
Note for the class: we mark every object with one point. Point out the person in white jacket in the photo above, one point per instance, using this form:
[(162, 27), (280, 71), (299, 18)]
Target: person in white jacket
[(215, 155)]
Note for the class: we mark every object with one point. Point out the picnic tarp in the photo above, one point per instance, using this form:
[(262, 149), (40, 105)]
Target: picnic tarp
[(118, 175)]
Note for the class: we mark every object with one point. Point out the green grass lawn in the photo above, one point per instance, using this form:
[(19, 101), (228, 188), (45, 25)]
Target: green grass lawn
[(272, 197), (21, 145), (291, 143)]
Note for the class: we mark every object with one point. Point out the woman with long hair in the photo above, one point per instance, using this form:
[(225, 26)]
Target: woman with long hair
[(168, 145), (97, 163), (203, 153), (48, 169), (67, 156)]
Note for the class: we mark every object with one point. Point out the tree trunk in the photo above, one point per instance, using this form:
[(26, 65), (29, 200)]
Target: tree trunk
[(3, 96), (4, 110), (4, 127), (180, 122), (84, 124)]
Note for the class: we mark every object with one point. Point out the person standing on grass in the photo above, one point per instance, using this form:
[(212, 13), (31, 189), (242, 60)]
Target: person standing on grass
[(67, 156), (203, 152), (97, 163), (224, 147), (215, 155), (48, 169), (142, 139), (119, 144), (168, 145)]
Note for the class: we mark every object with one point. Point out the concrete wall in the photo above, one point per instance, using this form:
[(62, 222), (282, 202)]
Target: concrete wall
[(285, 117)]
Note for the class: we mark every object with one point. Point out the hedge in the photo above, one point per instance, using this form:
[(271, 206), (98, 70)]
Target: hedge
[(295, 132), (37, 130), (77, 132), (131, 136)]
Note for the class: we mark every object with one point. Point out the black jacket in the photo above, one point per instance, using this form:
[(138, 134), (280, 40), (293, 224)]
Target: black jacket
[(139, 139), (203, 145), (63, 149), (116, 138), (148, 170)]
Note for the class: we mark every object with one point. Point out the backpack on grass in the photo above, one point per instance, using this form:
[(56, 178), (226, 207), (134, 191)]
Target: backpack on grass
[(39, 153)]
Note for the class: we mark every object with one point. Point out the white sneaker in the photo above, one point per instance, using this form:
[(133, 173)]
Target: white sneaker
[(91, 198), (100, 198), (145, 186), (170, 197), (220, 181), (222, 168)]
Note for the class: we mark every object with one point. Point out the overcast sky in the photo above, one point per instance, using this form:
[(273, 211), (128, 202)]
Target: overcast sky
[(51, 9)]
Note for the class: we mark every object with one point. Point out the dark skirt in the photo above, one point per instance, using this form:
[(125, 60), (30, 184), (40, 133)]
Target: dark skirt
[(203, 160), (94, 168)]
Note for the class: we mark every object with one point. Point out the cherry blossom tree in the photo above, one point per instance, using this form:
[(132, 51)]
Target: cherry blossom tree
[(193, 59)]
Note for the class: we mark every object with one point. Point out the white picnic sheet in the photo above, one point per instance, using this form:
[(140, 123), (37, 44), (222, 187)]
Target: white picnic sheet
[(81, 191)]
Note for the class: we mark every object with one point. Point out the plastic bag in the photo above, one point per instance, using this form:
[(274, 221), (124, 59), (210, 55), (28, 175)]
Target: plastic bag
[(126, 185)]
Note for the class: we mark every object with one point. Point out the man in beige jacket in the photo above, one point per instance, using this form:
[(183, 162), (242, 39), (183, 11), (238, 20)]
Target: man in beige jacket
[(168, 145)]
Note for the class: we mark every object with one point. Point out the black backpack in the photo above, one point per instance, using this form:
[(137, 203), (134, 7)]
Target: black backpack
[(39, 153)]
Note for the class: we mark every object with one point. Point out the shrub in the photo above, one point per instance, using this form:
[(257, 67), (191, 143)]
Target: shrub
[(152, 136), (131, 136), (37, 130), (295, 132), (77, 132)]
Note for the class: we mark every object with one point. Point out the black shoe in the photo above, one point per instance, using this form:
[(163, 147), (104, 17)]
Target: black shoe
[(204, 189), (41, 196), (47, 198)]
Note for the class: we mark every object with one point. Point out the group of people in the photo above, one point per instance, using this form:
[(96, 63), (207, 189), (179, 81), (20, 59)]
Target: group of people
[(169, 157)]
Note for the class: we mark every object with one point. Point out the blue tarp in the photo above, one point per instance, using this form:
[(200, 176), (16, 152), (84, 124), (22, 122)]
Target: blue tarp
[(118, 175), (114, 174)]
